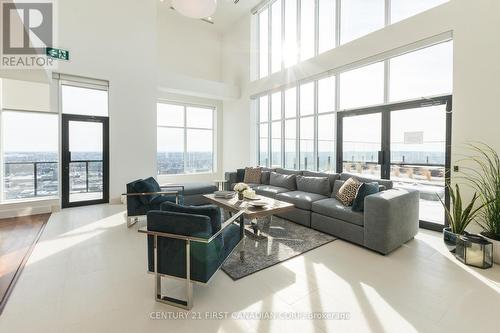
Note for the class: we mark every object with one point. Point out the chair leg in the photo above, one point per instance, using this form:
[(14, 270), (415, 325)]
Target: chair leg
[(159, 297)]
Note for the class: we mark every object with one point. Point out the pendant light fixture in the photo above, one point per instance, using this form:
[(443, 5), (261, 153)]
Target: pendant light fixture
[(195, 8)]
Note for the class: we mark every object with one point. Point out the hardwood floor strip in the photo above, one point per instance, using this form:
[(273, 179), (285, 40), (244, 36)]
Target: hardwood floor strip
[(18, 237)]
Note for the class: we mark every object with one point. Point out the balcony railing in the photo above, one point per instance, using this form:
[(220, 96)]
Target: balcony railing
[(93, 179), (30, 179)]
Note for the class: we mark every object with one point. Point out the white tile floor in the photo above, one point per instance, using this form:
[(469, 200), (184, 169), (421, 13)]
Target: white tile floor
[(88, 274)]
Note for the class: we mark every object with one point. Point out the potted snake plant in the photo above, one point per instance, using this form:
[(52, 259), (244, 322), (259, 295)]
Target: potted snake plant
[(484, 176), (459, 216)]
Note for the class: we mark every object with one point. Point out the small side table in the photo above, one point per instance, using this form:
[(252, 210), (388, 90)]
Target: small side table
[(220, 184)]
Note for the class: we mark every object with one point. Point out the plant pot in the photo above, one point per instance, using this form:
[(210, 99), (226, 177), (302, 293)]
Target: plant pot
[(450, 239), (496, 247), (240, 196)]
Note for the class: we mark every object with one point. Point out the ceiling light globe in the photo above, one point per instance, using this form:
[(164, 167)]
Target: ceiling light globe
[(195, 8)]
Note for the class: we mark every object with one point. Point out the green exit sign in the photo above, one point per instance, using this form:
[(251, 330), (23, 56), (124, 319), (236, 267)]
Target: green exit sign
[(57, 53)]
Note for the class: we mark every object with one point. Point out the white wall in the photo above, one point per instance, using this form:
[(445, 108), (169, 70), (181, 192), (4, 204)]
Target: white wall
[(238, 132), (475, 28), (117, 42), (188, 46), (476, 85)]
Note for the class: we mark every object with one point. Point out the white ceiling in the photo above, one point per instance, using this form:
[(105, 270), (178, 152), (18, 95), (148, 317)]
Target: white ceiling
[(227, 12)]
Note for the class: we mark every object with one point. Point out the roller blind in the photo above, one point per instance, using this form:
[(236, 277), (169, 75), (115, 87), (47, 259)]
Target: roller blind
[(25, 95)]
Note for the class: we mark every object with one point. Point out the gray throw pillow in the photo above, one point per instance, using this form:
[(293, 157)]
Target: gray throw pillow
[(288, 171), (336, 187), (280, 180), (319, 185), (265, 177)]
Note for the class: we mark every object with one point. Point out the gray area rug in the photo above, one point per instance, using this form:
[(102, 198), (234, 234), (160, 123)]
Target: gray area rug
[(279, 241)]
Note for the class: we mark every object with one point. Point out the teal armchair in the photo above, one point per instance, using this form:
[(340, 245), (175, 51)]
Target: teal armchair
[(144, 195), (189, 243)]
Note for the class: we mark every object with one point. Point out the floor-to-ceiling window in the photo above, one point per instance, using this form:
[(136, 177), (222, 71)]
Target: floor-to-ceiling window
[(290, 156), (29, 141), (306, 125), (30, 154), (394, 123), (185, 138), (289, 31)]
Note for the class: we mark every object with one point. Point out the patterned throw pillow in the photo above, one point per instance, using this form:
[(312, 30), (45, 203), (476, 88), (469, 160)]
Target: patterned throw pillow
[(252, 175), (347, 193)]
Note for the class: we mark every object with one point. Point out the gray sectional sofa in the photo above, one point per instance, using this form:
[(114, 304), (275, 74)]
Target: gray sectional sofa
[(390, 217)]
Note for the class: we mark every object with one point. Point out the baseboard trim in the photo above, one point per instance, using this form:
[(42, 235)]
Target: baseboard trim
[(27, 210)]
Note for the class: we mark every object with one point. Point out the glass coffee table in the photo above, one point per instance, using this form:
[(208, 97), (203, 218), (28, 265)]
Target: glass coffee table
[(251, 213)]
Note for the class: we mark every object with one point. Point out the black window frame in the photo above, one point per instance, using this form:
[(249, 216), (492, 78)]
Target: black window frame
[(384, 155)]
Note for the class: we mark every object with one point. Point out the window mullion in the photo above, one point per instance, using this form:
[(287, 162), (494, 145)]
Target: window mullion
[(185, 138), (316, 27), (298, 48), (257, 19), (337, 106), (387, 73), (315, 130), (387, 18), (297, 129), (337, 22), (269, 41), (269, 132), (282, 34)]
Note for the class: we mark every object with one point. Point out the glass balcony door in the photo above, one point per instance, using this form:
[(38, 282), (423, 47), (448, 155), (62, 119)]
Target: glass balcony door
[(361, 144), (85, 160), (418, 156), (407, 142)]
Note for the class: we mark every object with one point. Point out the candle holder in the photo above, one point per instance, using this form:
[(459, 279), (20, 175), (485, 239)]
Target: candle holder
[(474, 250)]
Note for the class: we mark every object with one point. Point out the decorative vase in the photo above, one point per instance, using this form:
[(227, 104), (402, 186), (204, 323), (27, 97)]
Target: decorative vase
[(496, 247), (450, 239), (240, 195)]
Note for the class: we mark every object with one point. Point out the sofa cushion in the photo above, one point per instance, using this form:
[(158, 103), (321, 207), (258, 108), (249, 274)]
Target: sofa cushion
[(336, 187), (240, 175), (251, 185), (269, 190), (300, 199), (212, 211), (288, 171), (283, 180), (385, 182), (265, 177), (199, 188), (252, 175), (331, 176), (364, 190), (319, 185), (148, 185), (348, 190), (333, 208)]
